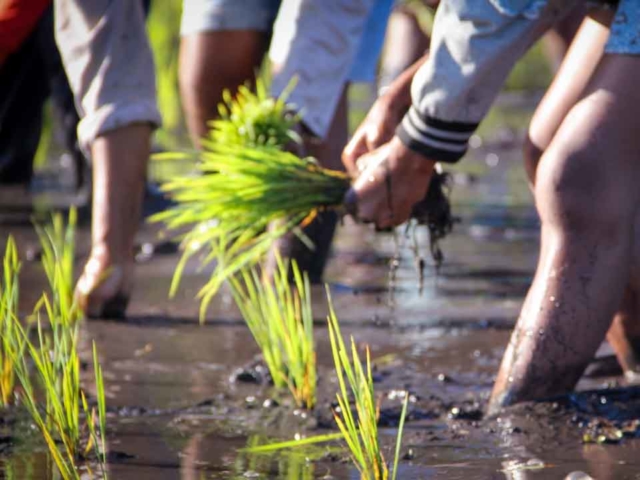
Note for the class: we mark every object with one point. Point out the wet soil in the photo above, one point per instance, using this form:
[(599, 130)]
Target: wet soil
[(184, 399)]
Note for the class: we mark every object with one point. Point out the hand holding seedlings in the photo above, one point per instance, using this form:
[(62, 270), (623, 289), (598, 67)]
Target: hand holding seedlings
[(380, 124), (393, 179)]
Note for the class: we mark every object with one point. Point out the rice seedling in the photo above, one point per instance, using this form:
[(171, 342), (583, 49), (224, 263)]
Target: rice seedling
[(361, 432), (57, 241), (57, 371), (248, 192), (97, 418), (11, 345), (68, 426), (281, 322)]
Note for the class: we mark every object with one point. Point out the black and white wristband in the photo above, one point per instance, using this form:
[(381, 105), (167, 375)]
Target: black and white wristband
[(439, 140)]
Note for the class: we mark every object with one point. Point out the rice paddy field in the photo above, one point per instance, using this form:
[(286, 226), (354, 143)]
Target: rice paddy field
[(361, 378), (186, 400)]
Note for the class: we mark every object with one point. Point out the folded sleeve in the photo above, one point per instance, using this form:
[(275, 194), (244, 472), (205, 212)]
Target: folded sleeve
[(475, 45)]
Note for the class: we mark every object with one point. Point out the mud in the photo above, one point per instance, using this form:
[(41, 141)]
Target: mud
[(184, 399)]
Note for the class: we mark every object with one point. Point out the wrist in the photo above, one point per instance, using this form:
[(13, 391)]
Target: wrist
[(419, 162)]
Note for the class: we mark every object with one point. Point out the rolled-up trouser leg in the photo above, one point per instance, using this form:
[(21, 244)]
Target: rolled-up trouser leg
[(109, 64)]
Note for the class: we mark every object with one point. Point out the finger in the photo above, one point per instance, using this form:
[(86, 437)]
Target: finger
[(355, 149), (377, 135)]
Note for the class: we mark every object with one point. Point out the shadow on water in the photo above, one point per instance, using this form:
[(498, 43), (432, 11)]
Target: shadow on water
[(180, 406)]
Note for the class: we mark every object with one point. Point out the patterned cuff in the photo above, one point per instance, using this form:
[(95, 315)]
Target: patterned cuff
[(439, 140)]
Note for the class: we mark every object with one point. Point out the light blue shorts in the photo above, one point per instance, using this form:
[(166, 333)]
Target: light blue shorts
[(218, 15), (625, 29)]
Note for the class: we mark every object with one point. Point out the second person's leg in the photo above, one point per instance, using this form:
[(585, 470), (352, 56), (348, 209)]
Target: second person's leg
[(572, 78), (587, 196), (222, 47)]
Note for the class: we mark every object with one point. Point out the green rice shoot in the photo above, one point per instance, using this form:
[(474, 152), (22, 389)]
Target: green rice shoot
[(255, 118), (361, 431), (97, 417), (280, 318), (68, 426), (57, 241), (247, 192), (11, 345)]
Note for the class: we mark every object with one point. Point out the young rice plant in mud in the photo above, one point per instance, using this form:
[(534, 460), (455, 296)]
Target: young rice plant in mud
[(280, 318), (361, 431), (69, 427), (11, 344), (58, 249)]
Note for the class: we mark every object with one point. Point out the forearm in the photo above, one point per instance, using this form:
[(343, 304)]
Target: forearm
[(474, 47), (399, 91)]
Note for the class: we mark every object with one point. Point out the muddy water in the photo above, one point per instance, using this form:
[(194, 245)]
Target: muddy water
[(179, 410)]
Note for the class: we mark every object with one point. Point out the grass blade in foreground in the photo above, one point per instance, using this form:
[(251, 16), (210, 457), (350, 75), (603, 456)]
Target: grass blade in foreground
[(11, 344), (361, 434), (56, 361), (244, 190), (58, 252), (281, 322)]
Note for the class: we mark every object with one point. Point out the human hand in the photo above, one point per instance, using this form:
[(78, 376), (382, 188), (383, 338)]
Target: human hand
[(377, 129), (393, 179)]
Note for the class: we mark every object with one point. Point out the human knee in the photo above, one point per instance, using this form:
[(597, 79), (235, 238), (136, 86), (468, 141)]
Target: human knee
[(574, 194)]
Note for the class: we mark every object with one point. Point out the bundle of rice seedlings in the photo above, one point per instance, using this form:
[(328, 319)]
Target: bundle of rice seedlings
[(281, 322), (246, 199), (360, 432)]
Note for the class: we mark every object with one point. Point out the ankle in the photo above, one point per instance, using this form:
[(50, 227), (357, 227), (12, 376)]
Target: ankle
[(103, 255)]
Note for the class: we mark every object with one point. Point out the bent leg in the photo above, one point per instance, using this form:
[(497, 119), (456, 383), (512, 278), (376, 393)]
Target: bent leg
[(587, 196), (119, 167), (570, 82), (211, 62)]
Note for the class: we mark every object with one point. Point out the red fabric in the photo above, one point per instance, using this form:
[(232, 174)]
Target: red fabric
[(17, 20)]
